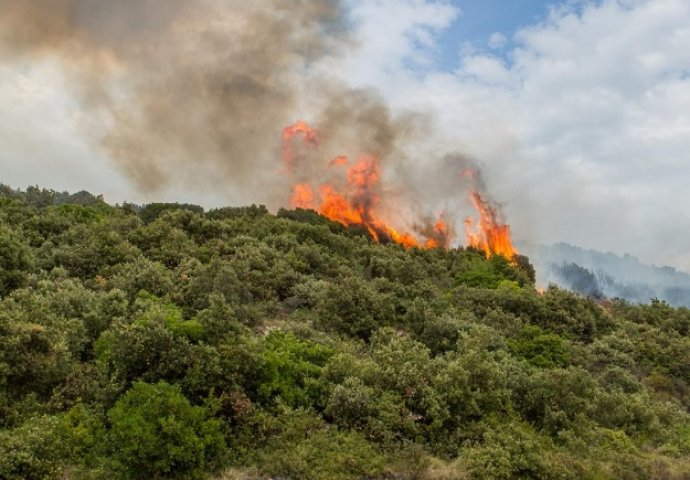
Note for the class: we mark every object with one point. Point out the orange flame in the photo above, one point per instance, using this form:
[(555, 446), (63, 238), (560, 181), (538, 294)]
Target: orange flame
[(442, 234), (290, 132), (302, 196), (339, 161), (336, 207), (356, 207), (356, 204), (489, 234)]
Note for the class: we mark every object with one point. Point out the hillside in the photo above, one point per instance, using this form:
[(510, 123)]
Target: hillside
[(168, 342), (608, 275)]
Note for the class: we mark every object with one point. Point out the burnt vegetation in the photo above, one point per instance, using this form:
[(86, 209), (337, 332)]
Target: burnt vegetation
[(166, 341)]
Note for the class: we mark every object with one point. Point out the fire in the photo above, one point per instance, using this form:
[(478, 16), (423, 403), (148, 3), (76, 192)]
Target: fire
[(302, 196), (354, 199), (356, 205), (489, 234), (299, 127), (442, 232), (339, 161), (336, 207)]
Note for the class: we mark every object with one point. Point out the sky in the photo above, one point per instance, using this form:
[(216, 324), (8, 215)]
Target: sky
[(487, 25), (578, 113)]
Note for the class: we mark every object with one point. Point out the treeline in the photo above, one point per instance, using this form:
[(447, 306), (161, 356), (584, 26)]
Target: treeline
[(164, 341), (601, 275)]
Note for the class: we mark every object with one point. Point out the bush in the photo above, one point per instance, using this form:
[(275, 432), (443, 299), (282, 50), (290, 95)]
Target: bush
[(300, 445), (156, 433), (15, 260), (32, 451), (541, 349), (513, 450), (291, 370)]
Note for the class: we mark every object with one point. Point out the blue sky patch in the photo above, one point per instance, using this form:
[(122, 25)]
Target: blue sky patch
[(480, 19)]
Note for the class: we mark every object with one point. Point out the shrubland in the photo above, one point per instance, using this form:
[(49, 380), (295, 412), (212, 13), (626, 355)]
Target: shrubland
[(168, 342)]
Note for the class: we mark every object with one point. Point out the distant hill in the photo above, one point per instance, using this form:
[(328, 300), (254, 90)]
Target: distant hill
[(597, 274)]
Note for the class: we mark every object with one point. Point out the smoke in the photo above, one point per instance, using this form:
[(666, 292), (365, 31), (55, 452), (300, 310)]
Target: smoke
[(195, 94), (606, 275), (454, 185), (190, 91)]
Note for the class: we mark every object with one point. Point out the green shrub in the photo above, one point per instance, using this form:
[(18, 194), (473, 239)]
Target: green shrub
[(291, 370), (541, 349), (15, 261), (156, 433), (32, 451)]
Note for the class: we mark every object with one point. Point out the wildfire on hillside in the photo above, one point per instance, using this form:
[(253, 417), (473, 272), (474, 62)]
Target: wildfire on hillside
[(351, 195), (488, 234)]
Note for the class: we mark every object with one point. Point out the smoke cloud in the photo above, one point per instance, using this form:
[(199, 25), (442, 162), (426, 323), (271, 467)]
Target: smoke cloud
[(195, 94), (191, 91)]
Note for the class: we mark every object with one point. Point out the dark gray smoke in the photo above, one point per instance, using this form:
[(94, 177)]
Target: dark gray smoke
[(191, 91), (196, 93)]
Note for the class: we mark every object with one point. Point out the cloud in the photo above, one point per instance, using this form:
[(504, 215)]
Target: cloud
[(497, 40), (394, 38), (602, 94), (582, 125)]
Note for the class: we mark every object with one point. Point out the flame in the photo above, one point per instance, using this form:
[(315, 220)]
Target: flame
[(339, 161), (302, 196), (442, 234), (336, 207), (290, 132), (355, 200), (489, 234), (404, 239), (356, 206)]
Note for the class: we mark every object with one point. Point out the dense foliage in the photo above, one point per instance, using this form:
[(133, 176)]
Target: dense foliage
[(169, 342)]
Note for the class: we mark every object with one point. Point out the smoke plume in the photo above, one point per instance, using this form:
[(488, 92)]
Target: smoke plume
[(192, 90), (195, 93)]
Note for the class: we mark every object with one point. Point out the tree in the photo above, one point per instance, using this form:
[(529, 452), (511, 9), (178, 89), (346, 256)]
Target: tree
[(15, 261), (156, 433)]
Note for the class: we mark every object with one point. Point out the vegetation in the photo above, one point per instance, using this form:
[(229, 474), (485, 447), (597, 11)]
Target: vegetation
[(600, 275), (169, 342)]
